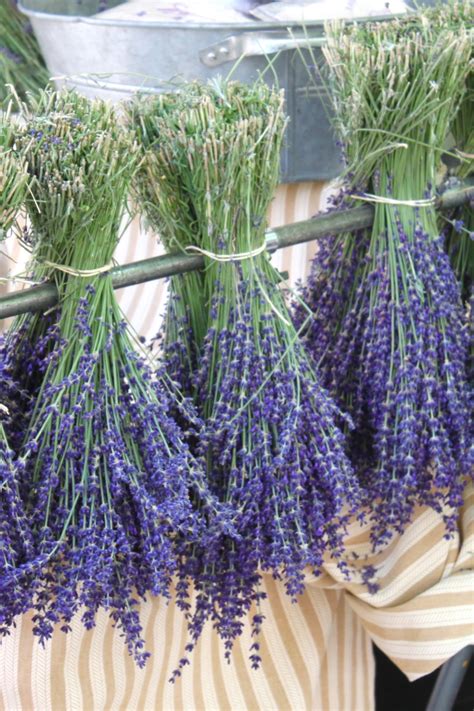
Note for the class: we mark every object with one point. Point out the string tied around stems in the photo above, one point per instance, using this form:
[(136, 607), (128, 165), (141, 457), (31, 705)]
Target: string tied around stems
[(382, 200), (85, 273), (236, 257)]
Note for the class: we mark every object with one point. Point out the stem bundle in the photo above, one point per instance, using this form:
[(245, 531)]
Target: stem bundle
[(386, 333), (274, 452), (111, 490)]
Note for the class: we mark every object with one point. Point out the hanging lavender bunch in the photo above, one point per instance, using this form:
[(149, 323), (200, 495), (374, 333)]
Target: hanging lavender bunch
[(111, 491), (386, 334), (460, 237), (271, 442), (166, 202), (15, 535)]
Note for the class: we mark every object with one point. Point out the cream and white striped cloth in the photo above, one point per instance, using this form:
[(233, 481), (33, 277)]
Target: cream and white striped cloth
[(317, 654)]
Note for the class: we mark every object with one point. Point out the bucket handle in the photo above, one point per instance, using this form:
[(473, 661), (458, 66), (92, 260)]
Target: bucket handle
[(252, 44)]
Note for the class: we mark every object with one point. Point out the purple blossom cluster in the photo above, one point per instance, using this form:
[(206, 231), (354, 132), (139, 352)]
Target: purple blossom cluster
[(275, 454), (387, 339), (110, 488)]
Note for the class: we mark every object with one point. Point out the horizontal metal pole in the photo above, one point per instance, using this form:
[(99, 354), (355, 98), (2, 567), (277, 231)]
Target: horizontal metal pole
[(44, 296)]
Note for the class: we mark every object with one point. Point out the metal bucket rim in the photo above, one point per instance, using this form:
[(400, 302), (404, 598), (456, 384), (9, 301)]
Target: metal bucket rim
[(227, 26), (153, 24)]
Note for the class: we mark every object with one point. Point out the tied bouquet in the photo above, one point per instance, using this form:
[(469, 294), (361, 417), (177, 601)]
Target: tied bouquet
[(271, 440), (16, 543), (386, 333), (112, 493)]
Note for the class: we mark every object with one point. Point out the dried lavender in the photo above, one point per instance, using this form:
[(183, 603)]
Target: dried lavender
[(460, 238), (274, 452), (167, 205), (386, 333), (15, 534), (111, 491), (13, 177)]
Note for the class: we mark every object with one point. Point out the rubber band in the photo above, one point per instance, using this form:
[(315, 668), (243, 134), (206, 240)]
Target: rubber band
[(380, 200), (79, 272), (237, 257)]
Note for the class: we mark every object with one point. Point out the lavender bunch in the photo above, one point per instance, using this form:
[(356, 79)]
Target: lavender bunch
[(111, 491), (167, 204), (460, 237), (13, 177), (273, 449), (385, 334), (15, 534)]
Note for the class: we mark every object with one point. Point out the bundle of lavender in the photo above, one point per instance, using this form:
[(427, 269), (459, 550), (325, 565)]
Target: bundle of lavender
[(15, 534), (112, 493), (167, 205), (386, 333), (273, 449), (13, 177), (460, 241)]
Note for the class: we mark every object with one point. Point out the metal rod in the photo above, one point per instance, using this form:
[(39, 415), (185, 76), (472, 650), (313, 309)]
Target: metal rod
[(44, 296), (449, 681)]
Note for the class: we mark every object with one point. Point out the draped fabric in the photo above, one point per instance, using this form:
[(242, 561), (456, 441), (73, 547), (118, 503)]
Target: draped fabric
[(317, 654)]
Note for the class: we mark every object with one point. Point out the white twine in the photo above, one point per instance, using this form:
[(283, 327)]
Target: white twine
[(237, 257), (79, 272), (379, 199)]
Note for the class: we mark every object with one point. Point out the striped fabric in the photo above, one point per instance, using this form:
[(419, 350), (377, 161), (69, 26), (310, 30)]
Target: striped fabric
[(317, 654)]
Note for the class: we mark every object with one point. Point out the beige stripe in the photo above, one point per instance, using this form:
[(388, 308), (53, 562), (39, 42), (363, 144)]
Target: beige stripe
[(421, 649), (411, 572), (139, 675), (178, 686), (24, 669), (9, 661), (130, 672), (150, 670), (224, 703), (270, 669), (170, 660), (415, 668), (285, 626), (345, 679), (245, 677), (84, 671), (40, 677), (95, 661), (395, 618), (355, 662), (426, 528), (57, 682), (420, 633), (341, 657), (360, 696), (109, 674), (2, 705), (434, 600), (369, 674), (324, 679), (196, 662)]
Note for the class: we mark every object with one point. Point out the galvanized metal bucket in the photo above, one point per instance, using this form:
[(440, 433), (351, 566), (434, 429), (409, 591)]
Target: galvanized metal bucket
[(136, 55)]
